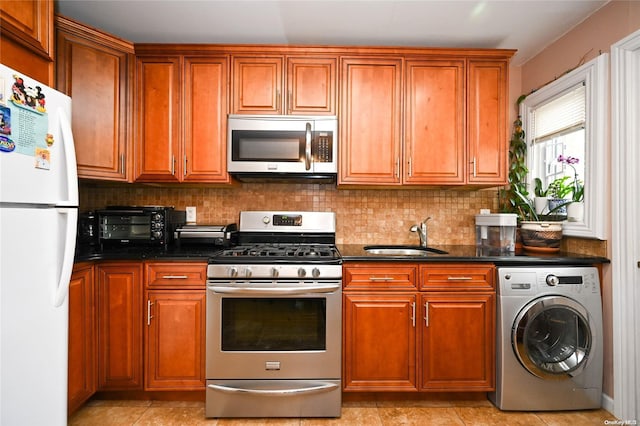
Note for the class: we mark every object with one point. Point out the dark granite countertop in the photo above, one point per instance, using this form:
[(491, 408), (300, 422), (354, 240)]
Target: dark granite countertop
[(349, 252), (191, 252), (356, 252)]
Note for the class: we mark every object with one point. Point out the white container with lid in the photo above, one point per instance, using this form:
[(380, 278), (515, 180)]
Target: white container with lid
[(496, 232)]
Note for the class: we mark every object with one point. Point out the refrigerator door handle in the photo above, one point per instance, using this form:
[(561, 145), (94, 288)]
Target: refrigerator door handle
[(62, 287), (70, 160)]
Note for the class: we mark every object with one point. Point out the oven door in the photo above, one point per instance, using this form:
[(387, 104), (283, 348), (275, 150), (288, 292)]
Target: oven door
[(274, 329)]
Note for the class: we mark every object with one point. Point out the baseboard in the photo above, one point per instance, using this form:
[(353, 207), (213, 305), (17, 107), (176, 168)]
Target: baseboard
[(607, 403)]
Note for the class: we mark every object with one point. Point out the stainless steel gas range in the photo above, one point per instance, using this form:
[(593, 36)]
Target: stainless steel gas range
[(274, 319)]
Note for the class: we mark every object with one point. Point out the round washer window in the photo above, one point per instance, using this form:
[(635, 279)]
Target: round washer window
[(552, 338)]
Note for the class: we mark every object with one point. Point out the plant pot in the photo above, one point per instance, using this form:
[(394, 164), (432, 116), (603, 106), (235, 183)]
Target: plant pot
[(553, 206), (541, 236), (540, 204), (575, 212)]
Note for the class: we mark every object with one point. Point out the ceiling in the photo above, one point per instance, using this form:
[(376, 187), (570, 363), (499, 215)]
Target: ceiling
[(526, 25)]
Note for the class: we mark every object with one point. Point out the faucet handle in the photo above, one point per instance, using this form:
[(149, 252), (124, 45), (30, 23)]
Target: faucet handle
[(425, 221)]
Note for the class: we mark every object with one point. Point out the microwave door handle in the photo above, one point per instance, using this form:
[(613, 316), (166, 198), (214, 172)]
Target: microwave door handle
[(307, 148)]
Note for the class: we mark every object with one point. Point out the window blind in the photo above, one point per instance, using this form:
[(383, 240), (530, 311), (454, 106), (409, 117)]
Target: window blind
[(560, 115)]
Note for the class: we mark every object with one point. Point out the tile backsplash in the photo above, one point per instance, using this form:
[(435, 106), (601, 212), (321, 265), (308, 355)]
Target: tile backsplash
[(364, 216)]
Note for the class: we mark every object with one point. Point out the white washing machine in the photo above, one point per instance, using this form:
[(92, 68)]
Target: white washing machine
[(549, 339)]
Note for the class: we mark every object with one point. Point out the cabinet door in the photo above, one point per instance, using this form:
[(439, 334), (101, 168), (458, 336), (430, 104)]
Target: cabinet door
[(434, 136), (487, 115), (458, 342), (205, 133), (257, 85), (120, 320), (94, 69), (158, 119), (82, 338), (311, 86), (175, 340), (379, 342), (26, 37), (370, 121)]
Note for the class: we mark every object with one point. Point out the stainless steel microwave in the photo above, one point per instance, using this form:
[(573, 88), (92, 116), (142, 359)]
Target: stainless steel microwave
[(285, 146)]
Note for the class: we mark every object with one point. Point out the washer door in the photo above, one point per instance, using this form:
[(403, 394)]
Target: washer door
[(552, 338)]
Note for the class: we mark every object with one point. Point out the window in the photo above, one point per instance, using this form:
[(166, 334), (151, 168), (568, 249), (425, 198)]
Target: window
[(568, 117)]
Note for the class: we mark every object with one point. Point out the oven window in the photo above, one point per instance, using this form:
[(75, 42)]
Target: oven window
[(126, 227), (273, 324), (262, 145)]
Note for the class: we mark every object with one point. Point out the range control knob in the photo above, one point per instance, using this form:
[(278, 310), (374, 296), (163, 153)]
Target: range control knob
[(552, 280), (275, 272), (266, 220), (157, 234), (233, 272), (248, 272), (301, 272), (315, 272)]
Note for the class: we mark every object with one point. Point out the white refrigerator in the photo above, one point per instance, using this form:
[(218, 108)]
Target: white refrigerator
[(38, 217)]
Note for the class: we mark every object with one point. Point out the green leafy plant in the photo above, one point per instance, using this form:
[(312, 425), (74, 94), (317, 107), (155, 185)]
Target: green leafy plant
[(538, 188), (560, 188), (513, 198)]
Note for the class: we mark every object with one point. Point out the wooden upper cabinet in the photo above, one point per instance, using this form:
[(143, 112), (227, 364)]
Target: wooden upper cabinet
[(181, 119), (26, 37), (95, 69), (158, 119), (205, 120), (434, 137), (311, 86), (258, 85), (370, 121), (487, 115)]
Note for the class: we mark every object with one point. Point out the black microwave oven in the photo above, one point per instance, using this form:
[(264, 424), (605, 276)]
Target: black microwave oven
[(282, 146), (138, 225)]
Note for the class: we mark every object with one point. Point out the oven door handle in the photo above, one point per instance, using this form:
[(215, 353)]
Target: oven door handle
[(259, 291), (324, 387)]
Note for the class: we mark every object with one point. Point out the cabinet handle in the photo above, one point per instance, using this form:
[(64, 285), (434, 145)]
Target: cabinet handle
[(459, 278), (474, 166), (413, 314), (184, 168), (175, 277), (290, 101), (278, 99), (173, 165), (410, 168), (398, 167), (122, 164), (381, 278), (149, 316), (426, 314)]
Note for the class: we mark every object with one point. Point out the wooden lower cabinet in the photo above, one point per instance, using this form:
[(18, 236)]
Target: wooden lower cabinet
[(457, 341), (82, 337), (379, 342), (175, 326), (418, 340), (120, 317), (175, 336)]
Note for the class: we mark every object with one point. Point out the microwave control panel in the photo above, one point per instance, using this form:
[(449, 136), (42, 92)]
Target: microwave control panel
[(322, 148)]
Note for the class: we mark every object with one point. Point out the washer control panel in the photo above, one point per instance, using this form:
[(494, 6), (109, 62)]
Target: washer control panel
[(532, 280)]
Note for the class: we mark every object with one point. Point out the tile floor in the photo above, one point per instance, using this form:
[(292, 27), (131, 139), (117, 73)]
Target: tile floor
[(368, 412)]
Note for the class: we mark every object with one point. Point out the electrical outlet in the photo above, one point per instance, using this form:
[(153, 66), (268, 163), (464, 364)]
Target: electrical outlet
[(191, 214)]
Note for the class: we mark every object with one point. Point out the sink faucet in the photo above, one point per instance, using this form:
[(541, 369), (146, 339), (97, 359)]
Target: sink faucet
[(421, 229)]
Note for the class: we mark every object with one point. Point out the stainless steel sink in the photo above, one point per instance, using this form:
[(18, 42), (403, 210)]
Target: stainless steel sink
[(403, 250)]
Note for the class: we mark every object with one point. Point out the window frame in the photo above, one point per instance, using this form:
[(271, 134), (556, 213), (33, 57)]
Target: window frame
[(595, 76)]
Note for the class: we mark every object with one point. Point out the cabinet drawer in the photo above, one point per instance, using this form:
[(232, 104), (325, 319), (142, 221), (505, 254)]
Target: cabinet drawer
[(175, 274), (379, 276), (452, 277)]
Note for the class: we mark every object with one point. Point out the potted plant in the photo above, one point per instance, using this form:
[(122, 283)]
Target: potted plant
[(541, 200), (557, 193), (575, 210), (538, 232)]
